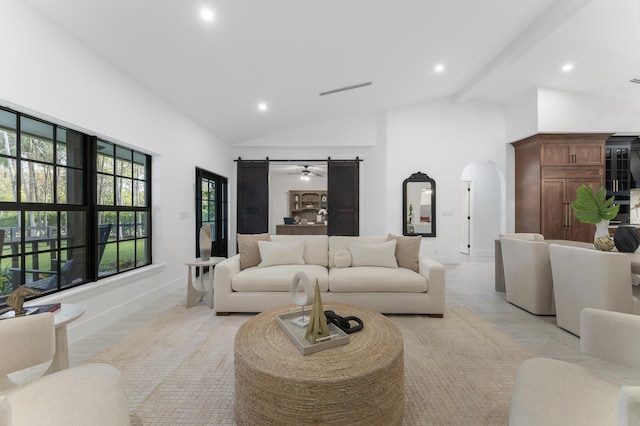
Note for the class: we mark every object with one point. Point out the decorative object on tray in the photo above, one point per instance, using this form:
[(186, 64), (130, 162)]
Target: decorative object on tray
[(11, 313), (343, 323), (626, 238), (604, 243), (205, 243), (16, 298), (302, 300), (317, 329), (595, 208)]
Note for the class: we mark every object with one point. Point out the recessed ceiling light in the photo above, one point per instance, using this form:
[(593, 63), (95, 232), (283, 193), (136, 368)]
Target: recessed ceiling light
[(262, 106), (439, 68), (567, 67), (207, 14)]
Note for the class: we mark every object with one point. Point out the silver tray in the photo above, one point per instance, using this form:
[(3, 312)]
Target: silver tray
[(296, 334)]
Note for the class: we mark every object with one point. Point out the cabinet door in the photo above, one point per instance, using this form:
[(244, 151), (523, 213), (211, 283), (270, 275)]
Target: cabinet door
[(578, 231), (555, 154), (587, 154), (553, 209)]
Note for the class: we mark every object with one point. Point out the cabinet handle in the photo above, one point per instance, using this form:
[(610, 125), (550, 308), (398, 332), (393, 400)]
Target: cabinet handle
[(569, 214)]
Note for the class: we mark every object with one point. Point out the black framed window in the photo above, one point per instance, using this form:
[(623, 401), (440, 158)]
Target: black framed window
[(53, 232)]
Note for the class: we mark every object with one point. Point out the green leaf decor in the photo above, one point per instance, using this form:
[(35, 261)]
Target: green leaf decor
[(592, 207)]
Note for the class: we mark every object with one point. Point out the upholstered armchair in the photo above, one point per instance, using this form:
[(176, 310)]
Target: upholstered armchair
[(588, 278), (91, 394), (527, 274), (552, 392)]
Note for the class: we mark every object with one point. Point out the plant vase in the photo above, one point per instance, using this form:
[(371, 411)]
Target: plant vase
[(601, 239)]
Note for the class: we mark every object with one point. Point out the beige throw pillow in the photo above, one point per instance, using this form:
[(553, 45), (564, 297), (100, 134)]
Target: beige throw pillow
[(407, 251), (280, 254), (380, 254), (342, 259), (248, 248)]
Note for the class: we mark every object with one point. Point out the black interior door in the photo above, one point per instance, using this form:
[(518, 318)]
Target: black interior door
[(253, 197), (343, 182)]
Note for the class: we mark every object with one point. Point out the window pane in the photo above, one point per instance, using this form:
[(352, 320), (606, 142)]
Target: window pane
[(70, 186), (127, 225), (142, 224), (9, 223), (126, 255), (142, 255), (72, 266), (41, 232), (104, 190), (108, 258), (10, 278), (139, 165), (104, 161), (124, 162), (70, 148), (139, 197), (36, 141), (8, 180), (124, 192), (37, 182), (110, 219), (8, 121)]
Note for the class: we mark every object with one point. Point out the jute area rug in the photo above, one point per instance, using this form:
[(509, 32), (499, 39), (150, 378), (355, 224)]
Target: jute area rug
[(179, 368)]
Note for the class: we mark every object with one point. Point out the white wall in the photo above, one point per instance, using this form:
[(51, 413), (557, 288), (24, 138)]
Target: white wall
[(561, 112), (54, 77)]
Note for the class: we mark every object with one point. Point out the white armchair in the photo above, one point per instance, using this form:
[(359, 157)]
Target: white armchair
[(91, 394), (587, 278), (552, 392), (527, 274)]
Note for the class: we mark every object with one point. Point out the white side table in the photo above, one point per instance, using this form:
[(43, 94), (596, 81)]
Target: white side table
[(193, 293), (67, 313)]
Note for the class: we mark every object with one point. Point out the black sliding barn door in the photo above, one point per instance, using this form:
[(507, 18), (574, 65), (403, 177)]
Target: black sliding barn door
[(253, 197), (344, 198)]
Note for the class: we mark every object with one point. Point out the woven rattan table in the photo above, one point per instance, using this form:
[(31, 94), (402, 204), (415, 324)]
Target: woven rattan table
[(361, 383)]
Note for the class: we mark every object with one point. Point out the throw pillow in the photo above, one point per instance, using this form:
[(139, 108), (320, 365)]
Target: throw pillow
[(280, 254), (248, 248), (381, 254), (407, 251), (342, 259)]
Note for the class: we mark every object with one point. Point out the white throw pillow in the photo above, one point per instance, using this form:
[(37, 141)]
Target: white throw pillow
[(381, 254), (342, 259), (280, 254)]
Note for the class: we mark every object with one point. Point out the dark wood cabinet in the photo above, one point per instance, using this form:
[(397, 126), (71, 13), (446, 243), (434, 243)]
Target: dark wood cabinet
[(548, 170)]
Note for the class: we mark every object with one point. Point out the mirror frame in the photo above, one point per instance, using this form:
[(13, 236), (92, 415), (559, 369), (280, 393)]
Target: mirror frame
[(418, 177)]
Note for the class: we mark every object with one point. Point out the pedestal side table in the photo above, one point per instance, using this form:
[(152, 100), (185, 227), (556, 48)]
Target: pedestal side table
[(67, 313), (193, 294)]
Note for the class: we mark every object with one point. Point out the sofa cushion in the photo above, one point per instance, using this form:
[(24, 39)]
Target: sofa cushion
[(380, 254), (407, 251), (248, 249), (316, 247), (278, 278), (280, 254), (342, 259), (342, 243), (365, 279)]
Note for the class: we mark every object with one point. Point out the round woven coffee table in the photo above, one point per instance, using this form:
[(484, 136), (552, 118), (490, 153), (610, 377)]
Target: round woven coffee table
[(361, 383)]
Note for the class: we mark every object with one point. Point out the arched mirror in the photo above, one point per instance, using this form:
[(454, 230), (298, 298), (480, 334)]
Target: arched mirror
[(419, 205)]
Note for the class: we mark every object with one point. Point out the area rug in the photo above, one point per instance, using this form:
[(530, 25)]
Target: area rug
[(179, 368)]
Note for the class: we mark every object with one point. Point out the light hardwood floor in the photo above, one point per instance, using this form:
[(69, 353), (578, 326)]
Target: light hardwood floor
[(469, 283)]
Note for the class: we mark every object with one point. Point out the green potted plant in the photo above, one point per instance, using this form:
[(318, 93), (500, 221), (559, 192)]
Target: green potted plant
[(595, 208)]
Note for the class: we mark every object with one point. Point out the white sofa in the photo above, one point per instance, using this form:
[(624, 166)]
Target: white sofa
[(384, 289)]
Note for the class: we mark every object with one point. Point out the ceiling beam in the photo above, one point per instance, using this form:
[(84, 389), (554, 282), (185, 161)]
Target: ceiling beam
[(551, 19)]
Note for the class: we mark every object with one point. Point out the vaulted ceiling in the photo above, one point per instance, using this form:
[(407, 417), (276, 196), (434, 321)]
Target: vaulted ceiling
[(286, 52)]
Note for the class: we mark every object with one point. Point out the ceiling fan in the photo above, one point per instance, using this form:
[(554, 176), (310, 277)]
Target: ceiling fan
[(305, 173)]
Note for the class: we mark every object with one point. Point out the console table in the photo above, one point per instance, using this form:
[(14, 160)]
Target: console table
[(360, 383)]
